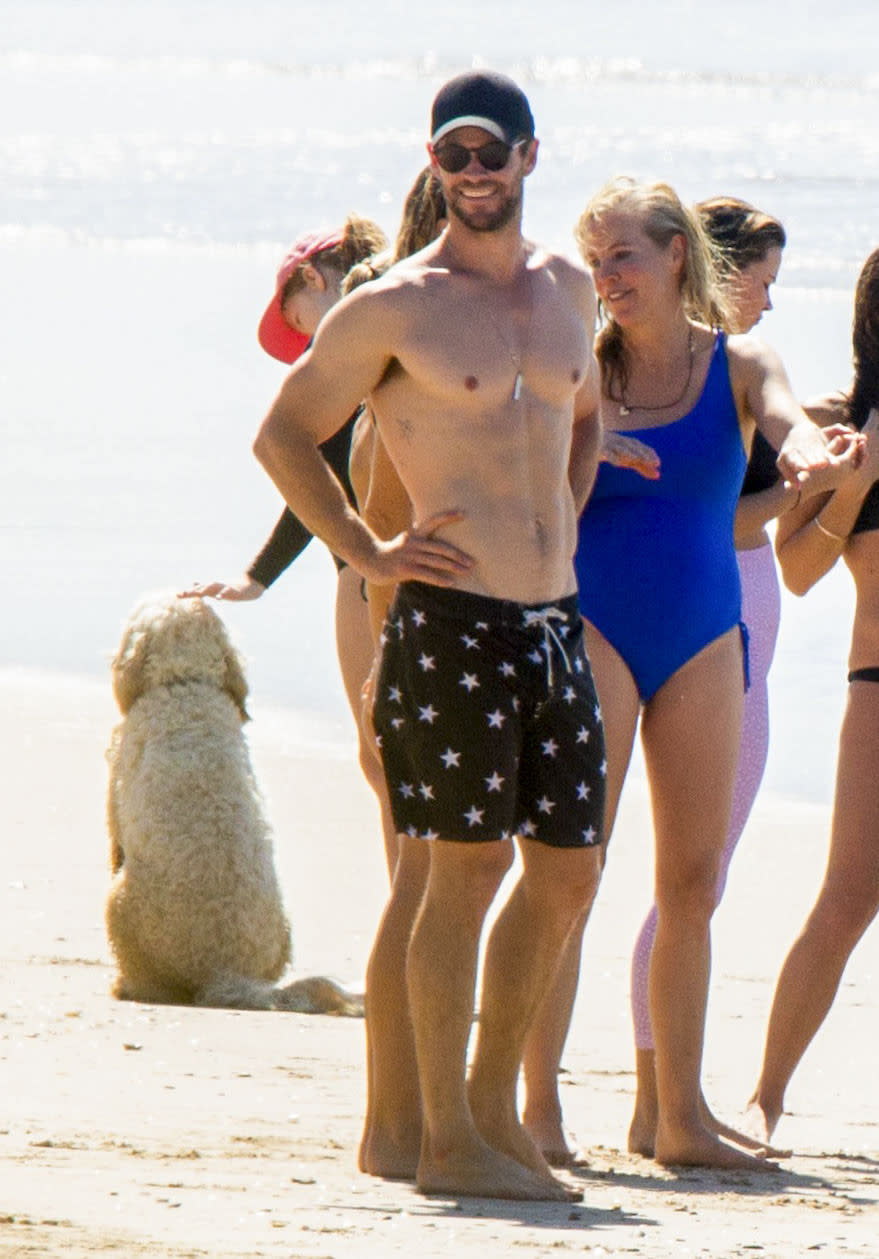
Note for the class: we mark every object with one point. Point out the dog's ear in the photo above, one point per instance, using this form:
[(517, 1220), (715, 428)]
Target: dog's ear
[(128, 667), (235, 682)]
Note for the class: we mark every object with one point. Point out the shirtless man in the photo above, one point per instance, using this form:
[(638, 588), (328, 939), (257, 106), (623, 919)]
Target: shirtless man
[(476, 358)]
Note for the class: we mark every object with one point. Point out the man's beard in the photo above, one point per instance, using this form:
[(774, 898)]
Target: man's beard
[(482, 222)]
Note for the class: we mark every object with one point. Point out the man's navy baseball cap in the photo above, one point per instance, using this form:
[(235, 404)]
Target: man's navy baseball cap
[(482, 98)]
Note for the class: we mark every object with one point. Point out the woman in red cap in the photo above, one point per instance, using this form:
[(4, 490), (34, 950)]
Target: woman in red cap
[(308, 284)]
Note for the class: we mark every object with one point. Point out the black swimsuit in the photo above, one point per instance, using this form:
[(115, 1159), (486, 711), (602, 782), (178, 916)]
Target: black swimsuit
[(289, 538), (868, 519)]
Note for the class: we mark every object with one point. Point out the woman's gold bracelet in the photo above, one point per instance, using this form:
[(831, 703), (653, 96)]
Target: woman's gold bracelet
[(837, 537)]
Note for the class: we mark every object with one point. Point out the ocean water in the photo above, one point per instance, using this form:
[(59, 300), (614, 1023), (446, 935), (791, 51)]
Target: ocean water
[(156, 159)]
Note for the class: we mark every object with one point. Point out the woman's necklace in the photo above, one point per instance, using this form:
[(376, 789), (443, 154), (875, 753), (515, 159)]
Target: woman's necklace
[(626, 408)]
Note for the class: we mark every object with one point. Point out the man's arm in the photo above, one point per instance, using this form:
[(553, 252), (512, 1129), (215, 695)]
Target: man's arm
[(586, 437), (346, 361)]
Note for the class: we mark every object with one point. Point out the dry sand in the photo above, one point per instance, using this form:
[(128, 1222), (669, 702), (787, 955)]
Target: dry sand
[(134, 1130)]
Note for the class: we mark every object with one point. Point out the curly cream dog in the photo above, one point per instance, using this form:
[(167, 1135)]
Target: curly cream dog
[(194, 915)]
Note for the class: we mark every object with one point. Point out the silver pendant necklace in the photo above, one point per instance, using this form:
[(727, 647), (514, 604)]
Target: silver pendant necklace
[(516, 358)]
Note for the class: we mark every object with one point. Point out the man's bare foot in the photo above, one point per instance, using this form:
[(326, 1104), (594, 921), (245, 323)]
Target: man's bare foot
[(701, 1148), (761, 1120), (381, 1154), (481, 1172)]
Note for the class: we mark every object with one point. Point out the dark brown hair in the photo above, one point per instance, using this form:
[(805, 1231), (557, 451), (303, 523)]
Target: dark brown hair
[(423, 210), (740, 232), (865, 343)]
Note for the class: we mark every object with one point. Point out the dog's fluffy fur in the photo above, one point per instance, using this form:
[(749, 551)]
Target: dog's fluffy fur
[(194, 915)]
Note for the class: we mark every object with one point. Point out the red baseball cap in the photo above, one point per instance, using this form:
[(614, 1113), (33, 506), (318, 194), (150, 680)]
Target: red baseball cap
[(275, 335)]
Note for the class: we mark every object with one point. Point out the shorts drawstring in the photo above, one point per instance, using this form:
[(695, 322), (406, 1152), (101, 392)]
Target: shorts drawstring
[(544, 617)]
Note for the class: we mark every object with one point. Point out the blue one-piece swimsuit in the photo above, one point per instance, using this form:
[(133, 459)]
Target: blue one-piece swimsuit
[(656, 566)]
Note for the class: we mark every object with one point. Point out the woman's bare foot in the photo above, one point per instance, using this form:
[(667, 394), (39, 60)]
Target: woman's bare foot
[(507, 1135), (478, 1171), (642, 1134), (761, 1120), (549, 1136), (700, 1148), (642, 1129), (389, 1156), (747, 1140)]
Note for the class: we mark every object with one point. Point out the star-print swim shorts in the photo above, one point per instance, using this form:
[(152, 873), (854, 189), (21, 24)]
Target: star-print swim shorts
[(487, 719)]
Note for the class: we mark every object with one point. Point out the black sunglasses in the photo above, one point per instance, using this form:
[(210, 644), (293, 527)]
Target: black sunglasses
[(492, 156)]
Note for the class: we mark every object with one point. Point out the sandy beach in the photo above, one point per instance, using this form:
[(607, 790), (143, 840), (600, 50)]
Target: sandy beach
[(140, 1130)]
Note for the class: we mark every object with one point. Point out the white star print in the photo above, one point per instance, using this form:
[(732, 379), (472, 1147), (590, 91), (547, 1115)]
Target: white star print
[(528, 828), (569, 695), (378, 741), (406, 790), (589, 835), (399, 625), (412, 832), (429, 834), (451, 760), (507, 669), (494, 783), (469, 642), (418, 618), (545, 805), (382, 639), (496, 719), (428, 714), (470, 680), (598, 712), (517, 703), (474, 816), (564, 631), (397, 722), (428, 663), (395, 695), (426, 791), (578, 665), (549, 747), (604, 769), (535, 656), (583, 792), (582, 735), (483, 625)]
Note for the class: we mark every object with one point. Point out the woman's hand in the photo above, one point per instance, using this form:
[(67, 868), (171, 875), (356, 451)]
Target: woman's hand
[(240, 591), (628, 452)]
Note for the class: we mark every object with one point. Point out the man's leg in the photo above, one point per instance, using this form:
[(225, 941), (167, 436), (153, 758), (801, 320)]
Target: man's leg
[(392, 1132), (441, 971), (521, 963)]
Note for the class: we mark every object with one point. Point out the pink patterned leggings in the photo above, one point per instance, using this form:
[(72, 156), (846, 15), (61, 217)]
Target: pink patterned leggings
[(761, 612)]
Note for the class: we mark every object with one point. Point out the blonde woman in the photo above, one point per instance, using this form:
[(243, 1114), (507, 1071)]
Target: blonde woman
[(660, 595)]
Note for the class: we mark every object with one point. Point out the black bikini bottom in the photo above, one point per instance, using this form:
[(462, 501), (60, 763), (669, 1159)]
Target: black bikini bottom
[(869, 674)]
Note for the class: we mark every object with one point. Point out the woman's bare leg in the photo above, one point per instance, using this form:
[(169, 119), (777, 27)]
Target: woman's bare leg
[(356, 650), (690, 731), (542, 1114), (846, 905)]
